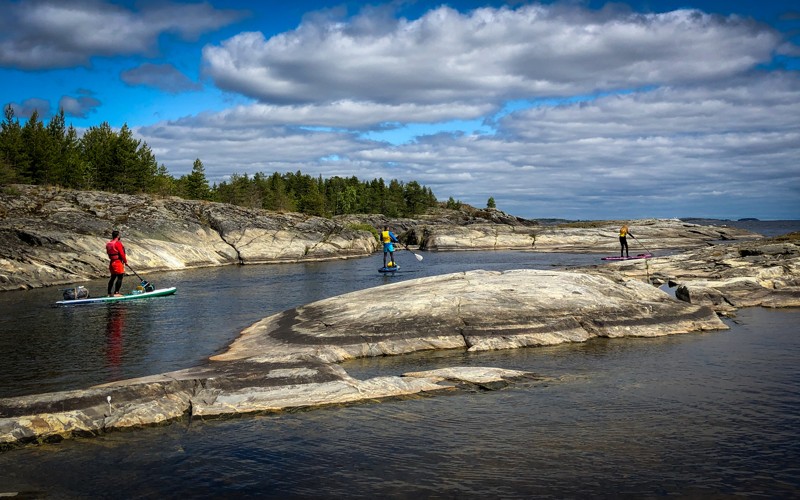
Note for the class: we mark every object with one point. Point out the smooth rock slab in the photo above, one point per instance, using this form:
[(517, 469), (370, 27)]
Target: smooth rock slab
[(726, 277), (288, 360), (476, 310), (590, 237)]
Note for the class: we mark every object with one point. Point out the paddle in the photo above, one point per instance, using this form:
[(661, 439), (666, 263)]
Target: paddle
[(418, 256), (639, 242), (148, 287)]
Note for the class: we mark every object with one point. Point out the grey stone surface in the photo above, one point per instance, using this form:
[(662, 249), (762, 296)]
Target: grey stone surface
[(52, 236), (725, 277), (596, 237), (290, 360)]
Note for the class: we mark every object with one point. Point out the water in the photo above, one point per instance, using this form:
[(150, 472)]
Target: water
[(767, 228), (697, 415), (713, 414), (46, 348)]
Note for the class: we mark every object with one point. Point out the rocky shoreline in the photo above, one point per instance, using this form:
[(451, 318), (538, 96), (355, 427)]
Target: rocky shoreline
[(291, 360), (725, 277), (53, 236)]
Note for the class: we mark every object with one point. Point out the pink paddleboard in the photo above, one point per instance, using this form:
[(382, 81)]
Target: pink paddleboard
[(640, 256)]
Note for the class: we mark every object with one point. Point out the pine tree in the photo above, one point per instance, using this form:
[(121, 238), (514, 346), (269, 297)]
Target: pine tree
[(196, 183), (40, 151), (97, 150), (75, 171), (57, 131), (146, 171), (163, 184), (12, 153)]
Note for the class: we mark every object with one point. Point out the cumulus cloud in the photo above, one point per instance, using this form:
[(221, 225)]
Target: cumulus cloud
[(45, 34), (26, 108), (80, 106), (662, 114), (350, 115), (161, 76), (671, 151), (486, 55)]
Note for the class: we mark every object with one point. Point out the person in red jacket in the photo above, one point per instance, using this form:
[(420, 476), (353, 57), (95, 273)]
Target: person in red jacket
[(116, 253)]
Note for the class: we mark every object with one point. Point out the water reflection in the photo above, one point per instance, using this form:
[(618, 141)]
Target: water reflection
[(115, 324), (46, 348), (704, 415)]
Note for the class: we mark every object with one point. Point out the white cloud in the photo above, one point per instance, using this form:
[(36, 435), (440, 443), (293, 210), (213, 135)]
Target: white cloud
[(45, 34), (663, 115), (162, 76), (663, 152), (27, 107), (79, 106), (341, 114), (487, 55)]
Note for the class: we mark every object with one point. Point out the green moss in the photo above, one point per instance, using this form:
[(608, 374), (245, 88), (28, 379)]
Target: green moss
[(365, 227)]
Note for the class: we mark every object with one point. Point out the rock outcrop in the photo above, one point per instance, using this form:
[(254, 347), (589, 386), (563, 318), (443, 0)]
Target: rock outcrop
[(289, 360), (51, 236), (728, 276), (590, 237)]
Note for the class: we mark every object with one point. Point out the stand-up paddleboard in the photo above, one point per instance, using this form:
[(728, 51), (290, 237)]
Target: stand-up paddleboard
[(388, 269), (640, 256), (161, 292)]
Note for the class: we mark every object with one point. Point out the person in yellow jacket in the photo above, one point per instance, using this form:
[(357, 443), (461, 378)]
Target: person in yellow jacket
[(624, 232), (388, 239)]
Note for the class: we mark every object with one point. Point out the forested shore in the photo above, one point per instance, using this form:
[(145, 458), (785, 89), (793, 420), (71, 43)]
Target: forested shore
[(103, 159)]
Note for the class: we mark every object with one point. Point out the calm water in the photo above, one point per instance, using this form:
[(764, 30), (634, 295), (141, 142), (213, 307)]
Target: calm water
[(712, 414), (47, 348)]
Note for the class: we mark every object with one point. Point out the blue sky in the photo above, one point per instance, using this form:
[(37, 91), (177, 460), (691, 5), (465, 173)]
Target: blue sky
[(570, 109)]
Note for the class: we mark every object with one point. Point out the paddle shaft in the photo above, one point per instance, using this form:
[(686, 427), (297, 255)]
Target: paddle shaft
[(639, 242), (134, 272), (418, 256)]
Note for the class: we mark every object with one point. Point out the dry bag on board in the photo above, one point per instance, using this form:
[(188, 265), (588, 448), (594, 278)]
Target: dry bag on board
[(78, 292)]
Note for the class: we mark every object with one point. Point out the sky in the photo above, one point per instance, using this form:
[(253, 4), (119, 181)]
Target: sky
[(556, 109)]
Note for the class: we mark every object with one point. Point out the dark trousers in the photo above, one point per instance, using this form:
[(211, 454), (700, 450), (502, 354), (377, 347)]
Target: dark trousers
[(623, 245), (118, 285)]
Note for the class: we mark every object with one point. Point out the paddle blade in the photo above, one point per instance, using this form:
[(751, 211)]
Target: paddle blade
[(418, 256)]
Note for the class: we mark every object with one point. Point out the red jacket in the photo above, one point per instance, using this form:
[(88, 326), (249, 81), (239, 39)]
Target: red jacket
[(116, 253)]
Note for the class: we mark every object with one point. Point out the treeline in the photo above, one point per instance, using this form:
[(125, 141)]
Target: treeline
[(298, 192), (107, 160)]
